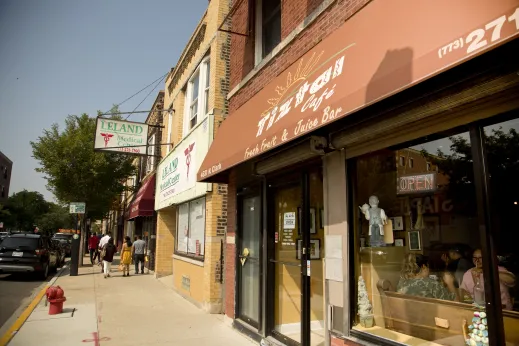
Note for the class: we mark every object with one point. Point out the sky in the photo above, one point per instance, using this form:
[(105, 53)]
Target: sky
[(61, 57)]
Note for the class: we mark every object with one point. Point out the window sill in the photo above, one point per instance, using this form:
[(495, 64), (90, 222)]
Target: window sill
[(189, 259), (184, 136)]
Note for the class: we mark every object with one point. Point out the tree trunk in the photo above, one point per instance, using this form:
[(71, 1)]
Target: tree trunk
[(82, 239)]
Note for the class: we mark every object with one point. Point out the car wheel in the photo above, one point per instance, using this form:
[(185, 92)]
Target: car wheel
[(45, 272)]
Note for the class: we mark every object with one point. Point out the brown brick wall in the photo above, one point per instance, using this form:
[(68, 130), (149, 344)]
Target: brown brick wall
[(230, 249), (293, 12), (165, 245)]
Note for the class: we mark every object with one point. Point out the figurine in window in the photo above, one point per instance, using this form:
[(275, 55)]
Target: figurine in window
[(377, 219)]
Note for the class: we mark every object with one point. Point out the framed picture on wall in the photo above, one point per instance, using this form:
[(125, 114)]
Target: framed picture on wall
[(399, 241), (315, 247), (414, 241), (398, 223), (313, 225)]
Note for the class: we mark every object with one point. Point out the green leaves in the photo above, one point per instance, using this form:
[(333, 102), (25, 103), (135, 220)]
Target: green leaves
[(24, 208), (75, 173)]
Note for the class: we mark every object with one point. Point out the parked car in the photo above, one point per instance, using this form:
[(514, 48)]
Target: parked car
[(62, 250), (65, 238), (3, 235), (65, 245), (28, 253)]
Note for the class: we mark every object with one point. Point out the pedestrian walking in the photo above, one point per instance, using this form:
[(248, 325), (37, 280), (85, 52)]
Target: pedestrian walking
[(102, 242), (138, 254), (93, 244), (108, 253), (126, 256)]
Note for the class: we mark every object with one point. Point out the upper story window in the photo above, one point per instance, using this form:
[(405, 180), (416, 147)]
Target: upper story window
[(268, 27), (197, 96), (402, 161), (411, 162)]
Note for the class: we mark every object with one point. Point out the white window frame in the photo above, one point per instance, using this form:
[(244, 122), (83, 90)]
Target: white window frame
[(410, 162), (190, 251), (258, 33), (151, 154), (201, 102), (168, 140)]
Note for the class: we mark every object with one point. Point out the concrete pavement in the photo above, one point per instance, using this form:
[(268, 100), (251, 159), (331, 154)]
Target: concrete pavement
[(123, 311)]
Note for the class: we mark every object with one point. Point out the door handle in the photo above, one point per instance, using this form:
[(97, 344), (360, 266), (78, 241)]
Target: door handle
[(248, 258)]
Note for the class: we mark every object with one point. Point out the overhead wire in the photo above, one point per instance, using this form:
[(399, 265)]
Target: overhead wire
[(146, 87), (158, 80), (155, 87)]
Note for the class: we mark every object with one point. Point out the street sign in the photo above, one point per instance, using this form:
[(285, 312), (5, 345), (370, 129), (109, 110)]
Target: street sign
[(77, 208)]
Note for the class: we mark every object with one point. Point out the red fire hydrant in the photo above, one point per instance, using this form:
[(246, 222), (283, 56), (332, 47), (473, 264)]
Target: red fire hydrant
[(55, 296)]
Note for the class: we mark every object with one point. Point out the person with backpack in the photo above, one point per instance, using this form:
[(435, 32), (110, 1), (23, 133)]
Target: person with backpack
[(107, 255)]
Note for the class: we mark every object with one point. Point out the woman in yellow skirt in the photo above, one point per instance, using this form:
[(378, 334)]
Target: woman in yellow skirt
[(126, 256)]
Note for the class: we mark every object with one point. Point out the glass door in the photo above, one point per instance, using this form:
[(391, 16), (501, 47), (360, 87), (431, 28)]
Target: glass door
[(285, 262), (296, 260), (249, 277)]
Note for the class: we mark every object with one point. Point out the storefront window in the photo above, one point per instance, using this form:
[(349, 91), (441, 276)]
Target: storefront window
[(191, 228), (502, 153), (416, 240)]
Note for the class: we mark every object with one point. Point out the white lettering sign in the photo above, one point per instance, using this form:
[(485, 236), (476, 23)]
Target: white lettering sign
[(289, 220), (313, 102)]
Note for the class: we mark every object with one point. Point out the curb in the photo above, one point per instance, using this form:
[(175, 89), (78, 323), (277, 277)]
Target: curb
[(17, 325)]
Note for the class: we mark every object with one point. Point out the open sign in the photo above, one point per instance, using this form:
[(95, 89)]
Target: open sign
[(418, 183)]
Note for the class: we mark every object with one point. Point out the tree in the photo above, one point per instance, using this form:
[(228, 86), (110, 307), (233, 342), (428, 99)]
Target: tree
[(25, 207), (57, 217), (74, 172), (502, 157), (5, 215)]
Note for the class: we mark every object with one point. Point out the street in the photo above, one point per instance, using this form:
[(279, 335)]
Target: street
[(16, 291)]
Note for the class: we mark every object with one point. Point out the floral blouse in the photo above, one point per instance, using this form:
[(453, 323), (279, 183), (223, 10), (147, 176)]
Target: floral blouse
[(424, 287)]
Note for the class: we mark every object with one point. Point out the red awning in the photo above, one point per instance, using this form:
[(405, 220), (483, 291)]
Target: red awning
[(144, 202), (385, 48)]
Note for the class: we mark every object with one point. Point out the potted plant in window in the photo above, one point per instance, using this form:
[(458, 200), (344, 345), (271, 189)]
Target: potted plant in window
[(365, 310)]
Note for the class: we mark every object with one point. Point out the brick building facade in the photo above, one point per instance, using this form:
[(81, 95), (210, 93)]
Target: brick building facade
[(192, 217), (341, 109), (6, 166)]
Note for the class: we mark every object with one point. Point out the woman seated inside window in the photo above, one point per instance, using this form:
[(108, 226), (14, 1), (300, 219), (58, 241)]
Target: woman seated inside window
[(415, 280), (475, 275)]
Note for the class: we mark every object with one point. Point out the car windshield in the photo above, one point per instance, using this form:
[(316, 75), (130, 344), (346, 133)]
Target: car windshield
[(20, 243)]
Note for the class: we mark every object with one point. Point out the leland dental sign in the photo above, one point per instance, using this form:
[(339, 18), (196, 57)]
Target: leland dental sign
[(121, 136)]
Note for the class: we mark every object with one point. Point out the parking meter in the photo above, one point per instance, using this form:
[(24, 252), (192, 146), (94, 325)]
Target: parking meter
[(74, 255)]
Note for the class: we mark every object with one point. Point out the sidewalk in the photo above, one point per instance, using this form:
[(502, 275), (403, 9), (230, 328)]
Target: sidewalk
[(123, 311)]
